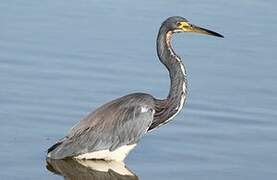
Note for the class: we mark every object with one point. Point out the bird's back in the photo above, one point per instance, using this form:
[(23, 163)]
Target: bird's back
[(120, 122)]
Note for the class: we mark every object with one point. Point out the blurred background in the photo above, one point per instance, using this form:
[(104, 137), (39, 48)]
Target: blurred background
[(61, 59)]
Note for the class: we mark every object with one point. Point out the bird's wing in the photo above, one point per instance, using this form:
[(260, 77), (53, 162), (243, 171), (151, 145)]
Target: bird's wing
[(121, 122)]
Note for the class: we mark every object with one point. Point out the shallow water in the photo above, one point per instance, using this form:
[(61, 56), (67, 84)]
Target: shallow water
[(61, 59)]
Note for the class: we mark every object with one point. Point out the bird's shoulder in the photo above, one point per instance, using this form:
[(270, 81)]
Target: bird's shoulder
[(117, 112), (138, 99)]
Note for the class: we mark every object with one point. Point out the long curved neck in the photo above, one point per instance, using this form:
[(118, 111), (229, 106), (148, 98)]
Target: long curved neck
[(167, 108)]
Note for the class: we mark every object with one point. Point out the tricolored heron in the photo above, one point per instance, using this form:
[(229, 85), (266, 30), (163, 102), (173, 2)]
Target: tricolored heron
[(112, 130)]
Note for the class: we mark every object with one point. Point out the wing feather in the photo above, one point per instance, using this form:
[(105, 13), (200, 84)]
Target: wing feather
[(121, 122)]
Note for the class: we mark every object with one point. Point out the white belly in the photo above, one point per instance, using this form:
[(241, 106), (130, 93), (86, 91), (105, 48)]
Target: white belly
[(118, 154)]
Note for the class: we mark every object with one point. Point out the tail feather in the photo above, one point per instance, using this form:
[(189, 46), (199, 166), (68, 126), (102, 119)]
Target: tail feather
[(54, 147), (59, 151)]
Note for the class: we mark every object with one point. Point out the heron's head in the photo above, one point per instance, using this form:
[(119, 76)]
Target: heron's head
[(180, 24)]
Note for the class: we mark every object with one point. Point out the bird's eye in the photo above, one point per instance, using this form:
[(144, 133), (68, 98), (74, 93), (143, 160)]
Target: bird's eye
[(179, 24)]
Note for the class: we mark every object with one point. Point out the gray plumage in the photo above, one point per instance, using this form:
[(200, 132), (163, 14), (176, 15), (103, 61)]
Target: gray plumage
[(125, 120), (119, 122)]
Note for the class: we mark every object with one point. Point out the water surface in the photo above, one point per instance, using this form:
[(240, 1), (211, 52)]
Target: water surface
[(61, 59)]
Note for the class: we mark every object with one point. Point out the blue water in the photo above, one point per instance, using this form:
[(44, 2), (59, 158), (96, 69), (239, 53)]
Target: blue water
[(61, 59)]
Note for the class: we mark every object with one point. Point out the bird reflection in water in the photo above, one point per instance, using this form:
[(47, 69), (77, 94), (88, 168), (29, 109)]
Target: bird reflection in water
[(88, 169)]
